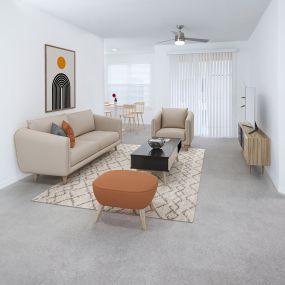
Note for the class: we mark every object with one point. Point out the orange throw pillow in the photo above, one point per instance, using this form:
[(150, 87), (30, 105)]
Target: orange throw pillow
[(69, 133)]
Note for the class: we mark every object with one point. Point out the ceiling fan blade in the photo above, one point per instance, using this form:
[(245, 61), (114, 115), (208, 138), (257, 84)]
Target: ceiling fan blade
[(197, 40), (164, 42)]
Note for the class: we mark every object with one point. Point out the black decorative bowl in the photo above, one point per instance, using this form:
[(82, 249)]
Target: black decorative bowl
[(156, 143)]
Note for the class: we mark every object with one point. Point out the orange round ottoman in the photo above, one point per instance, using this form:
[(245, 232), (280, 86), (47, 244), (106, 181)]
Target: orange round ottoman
[(125, 189)]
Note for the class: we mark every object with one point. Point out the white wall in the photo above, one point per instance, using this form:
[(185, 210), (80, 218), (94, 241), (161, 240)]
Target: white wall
[(24, 31), (281, 78), (266, 47), (160, 91)]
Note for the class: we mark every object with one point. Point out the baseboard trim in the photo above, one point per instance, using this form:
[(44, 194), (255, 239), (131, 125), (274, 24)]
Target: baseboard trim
[(281, 190), (12, 180), (273, 180)]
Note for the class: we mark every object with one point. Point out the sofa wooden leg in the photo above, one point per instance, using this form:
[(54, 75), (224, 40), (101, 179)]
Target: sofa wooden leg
[(116, 148), (64, 179), (36, 177), (186, 147), (142, 217)]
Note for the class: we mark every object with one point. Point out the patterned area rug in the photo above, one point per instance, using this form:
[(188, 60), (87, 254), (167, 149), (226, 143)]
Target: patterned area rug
[(176, 200)]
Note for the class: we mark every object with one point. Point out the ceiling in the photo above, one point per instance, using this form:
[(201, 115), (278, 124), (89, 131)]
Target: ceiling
[(218, 20)]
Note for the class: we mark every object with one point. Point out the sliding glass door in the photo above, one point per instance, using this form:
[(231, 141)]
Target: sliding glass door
[(203, 82)]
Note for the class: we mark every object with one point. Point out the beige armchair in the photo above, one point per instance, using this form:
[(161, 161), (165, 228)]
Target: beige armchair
[(174, 123)]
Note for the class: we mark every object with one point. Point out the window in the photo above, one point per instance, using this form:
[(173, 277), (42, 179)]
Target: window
[(131, 82), (203, 82)]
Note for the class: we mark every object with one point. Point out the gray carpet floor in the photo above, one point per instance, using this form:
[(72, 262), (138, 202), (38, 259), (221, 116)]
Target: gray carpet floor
[(237, 236)]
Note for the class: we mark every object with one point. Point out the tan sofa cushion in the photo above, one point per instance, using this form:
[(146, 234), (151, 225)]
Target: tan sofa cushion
[(174, 117), (81, 122), (173, 133), (44, 124), (101, 138), (82, 150)]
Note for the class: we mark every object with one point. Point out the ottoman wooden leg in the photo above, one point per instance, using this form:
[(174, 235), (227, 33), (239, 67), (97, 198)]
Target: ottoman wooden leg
[(153, 208), (142, 216), (99, 212)]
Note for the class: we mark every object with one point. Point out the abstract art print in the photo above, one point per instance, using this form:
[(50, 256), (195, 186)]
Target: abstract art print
[(59, 78)]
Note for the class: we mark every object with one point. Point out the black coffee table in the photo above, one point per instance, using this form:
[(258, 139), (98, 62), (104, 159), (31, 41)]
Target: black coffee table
[(145, 158)]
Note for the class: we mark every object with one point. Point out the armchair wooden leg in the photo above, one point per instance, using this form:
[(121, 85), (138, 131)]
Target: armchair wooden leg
[(186, 147), (64, 179), (36, 177), (116, 147)]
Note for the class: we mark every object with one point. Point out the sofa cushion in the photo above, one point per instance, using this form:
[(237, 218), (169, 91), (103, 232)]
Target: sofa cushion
[(44, 124), (82, 150), (81, 122), (173, 133), (174, 117), (101, 138)]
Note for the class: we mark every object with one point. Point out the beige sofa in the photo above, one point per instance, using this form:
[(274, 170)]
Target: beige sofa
[(40, 152), (174, 123)]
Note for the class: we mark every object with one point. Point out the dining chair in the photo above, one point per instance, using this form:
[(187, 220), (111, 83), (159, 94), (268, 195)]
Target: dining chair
[(139, 111), (107, 109), (128, 114)]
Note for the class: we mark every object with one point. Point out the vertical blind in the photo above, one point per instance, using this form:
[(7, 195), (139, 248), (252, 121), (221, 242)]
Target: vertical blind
[(203, 82), (131, 82)]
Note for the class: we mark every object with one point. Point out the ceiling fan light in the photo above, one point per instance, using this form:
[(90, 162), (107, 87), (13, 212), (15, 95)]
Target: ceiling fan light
[(179, 42)]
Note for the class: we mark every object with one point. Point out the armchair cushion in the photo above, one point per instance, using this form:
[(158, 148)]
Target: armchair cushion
[(174, 117), (173, 133), (81, 122)]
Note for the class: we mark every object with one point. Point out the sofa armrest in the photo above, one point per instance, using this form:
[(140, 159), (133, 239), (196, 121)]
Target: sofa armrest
[(42, 153), (103, 123), (156, 124), (189, 128)]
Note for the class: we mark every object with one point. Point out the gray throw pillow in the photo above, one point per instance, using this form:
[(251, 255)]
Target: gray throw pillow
[(57, 130)]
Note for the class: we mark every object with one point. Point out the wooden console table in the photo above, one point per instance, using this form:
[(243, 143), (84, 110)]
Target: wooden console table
[(255, 146)]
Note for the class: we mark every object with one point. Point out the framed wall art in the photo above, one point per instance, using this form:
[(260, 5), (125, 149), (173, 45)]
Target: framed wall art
[(59, 78)]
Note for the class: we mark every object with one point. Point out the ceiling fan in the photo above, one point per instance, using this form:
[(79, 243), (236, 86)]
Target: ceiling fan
[(180, 38)]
